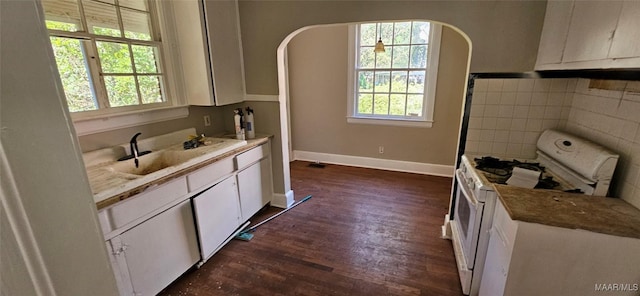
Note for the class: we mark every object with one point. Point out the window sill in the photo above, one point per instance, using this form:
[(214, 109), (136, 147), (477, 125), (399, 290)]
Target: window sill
[(103, 123), (391, 122)]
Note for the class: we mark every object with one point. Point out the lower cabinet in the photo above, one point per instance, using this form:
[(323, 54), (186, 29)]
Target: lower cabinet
[(148, 257), (254, 184), (217, 215)]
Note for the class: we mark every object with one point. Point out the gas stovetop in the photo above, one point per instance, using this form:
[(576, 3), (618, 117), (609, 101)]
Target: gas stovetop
[(499, 171)]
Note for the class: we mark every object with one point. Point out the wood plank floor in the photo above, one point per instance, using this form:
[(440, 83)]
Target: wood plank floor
[(364, 232)]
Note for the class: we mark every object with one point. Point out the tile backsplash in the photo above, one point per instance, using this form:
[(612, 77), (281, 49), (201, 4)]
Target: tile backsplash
[(508, 115), (611, 117)]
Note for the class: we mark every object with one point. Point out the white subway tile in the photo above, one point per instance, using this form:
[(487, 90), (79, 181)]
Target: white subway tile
[(521, 112), (542, 85), (519, 124), (516, 137), (503, 124), (539, 98), (631, 173), (571, 84), (582, 86), (629, 110), (514, 149), (550, 124), (531, 137), (506, 111), (484, 147), (501, 136), (528, 150), (552, 112), (489, 122), (526, 85), (479, 97), (629, 130), (499, 148), (534, 125), (631, 96), (493, 98), (495, 85), (633, 86), (508, 98), (491, 110), (473, 134), (523, 98), (481, 85), (568, 99), (477, 110), (536, 112), (558, 85), (510, 85), (556, 99), (471, 147), (475, 122)]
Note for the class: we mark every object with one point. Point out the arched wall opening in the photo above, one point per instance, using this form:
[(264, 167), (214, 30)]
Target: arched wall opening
[(312, 82)]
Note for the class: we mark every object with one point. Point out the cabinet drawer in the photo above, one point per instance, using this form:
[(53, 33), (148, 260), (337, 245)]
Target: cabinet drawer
[(209, 174), (251, 156), (142, 204)]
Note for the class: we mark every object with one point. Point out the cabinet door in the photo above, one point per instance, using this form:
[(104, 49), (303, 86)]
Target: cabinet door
[(160, 249), (217, 215), (255, 188), (593, 24), (626, 42), (554, 32), (225, 52)]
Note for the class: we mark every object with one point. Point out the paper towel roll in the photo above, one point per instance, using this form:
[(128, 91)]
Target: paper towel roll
[(524, 178)]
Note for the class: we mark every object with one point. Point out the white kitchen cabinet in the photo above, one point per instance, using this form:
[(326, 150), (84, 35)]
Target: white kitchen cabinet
[(590, 35), (217, 215), (210, 51), (593, 24), (150, 256), (626, 42), (254, 180), (534, 259)]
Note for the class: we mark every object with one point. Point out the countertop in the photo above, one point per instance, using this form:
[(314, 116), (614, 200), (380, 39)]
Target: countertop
[(109, 188), (611, 216)]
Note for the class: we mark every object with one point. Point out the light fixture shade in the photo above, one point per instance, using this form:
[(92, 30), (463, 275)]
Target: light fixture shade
[(379, 46)]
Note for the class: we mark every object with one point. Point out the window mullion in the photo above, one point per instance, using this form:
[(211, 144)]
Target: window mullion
[(97, 78), (135, 76), (83, 18)]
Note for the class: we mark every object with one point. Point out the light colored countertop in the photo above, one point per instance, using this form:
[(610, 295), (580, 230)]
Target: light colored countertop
[(611, 216), (110, 186)]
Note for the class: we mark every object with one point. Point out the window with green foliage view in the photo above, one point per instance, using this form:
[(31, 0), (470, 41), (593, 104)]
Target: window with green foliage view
[(107, 53), (394, 84)]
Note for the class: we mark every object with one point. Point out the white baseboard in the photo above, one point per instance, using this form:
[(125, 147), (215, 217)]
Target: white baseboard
[(377, 163), (281, 200)]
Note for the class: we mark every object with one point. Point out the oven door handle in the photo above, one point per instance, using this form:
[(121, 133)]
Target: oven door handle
[(465, 189)]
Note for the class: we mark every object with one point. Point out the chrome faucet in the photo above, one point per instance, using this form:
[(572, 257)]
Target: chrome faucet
[(133, 144)]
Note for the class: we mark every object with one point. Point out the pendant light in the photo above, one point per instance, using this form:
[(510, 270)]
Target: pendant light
[(379, 46)]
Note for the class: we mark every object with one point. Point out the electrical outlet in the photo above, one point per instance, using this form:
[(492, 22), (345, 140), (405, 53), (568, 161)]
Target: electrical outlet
[(207, 120), (381, 149)]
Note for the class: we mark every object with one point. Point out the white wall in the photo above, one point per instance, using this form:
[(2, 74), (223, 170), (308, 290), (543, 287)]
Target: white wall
[(611, 117), (508, 115), (51, 240)]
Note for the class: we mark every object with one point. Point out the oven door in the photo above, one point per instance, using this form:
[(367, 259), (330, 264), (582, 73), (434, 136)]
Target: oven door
[(467, 219)]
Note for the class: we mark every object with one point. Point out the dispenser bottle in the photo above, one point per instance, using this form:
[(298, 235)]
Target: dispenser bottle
[(249, 125), (237, 120)]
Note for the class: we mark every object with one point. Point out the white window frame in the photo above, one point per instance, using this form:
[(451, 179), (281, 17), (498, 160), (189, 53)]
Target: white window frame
[(433, 55), (174, 107)]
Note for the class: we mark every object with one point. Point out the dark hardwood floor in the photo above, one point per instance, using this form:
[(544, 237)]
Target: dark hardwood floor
[(364, 232)]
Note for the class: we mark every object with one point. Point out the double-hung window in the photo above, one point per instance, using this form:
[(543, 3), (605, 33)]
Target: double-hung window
[(397, 86), (108, 54)]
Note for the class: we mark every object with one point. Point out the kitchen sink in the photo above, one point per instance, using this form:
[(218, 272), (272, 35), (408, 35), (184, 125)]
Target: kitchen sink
[(174, 155)]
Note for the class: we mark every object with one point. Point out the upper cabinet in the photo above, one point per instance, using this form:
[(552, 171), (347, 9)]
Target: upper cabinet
[(210, 51), (590, 35)]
